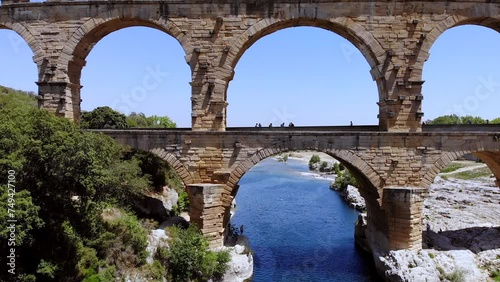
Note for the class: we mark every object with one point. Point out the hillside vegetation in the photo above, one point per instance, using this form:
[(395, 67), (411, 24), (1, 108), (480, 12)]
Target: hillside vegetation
[(72, 203)]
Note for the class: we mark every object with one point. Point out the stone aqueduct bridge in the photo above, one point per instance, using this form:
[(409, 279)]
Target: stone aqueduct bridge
[(395, 164), (394, 169), (394, 37)]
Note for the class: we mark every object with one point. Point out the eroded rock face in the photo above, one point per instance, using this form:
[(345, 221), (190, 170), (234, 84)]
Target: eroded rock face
[(158, 205), (351, 195), (157, 238), (461, 235), (241, 264), (430, 265), (353, 198)]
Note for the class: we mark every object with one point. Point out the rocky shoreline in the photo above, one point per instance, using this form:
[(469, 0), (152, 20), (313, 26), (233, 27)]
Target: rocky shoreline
[(461, 238), (461, 241), (160, 205), (352, 196)]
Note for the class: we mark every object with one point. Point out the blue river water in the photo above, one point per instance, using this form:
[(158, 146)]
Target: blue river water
[(298, 229)]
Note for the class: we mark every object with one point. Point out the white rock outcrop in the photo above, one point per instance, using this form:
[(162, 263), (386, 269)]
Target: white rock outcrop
[(430, 265), (353, 198), (241, 264), (461, 237), (156, 238)]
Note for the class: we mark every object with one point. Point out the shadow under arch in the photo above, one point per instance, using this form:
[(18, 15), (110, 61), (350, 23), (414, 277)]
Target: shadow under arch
[(82, 41), (27, 35), (172, 160), (453, 21)]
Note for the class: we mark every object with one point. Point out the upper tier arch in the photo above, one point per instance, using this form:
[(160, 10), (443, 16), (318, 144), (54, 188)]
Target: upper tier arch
[(28, 37), (343, 26), (82, 41)]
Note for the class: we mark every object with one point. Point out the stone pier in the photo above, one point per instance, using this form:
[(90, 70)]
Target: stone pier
[(403, 207)]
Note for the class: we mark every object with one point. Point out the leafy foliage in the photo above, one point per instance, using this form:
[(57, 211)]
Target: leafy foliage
[(64, 180), (454, 119), (74, 190), (188, 257), (140, 120), (103, 118), (452, 167), (345, 178), (314, 160)]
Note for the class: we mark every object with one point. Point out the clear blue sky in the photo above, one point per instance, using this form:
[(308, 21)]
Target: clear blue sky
[(306, 75)]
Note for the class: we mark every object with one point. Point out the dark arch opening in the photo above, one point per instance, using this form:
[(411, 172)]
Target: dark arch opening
[(461, 74), (294, 66), (18, 69)]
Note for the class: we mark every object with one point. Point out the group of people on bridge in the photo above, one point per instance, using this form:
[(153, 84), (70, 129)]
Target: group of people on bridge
[(271, 124)]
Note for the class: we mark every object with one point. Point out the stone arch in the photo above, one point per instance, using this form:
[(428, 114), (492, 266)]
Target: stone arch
[(81, 42), (360, 168), (490, 154), (345, 27), (172, 160), (364, 41), (484, 20), (31, 41), (371, 188)]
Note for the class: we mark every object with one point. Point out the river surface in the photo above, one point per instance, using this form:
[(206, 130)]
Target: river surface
[(298, 229)]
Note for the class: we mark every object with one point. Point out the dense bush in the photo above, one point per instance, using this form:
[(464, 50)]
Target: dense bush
[(455, 119), (64, 180), (74, 191), (103, 118), (313, 161), (188, 257), (141, 120), (345, 178)]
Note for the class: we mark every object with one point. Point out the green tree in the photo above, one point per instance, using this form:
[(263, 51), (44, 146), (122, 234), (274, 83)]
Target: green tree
[(345, 178), (188, 257), (495, 121), (472, 120), (448, 119), (64, 179), (137, 120), (161, 122), (323, 166), (454, 119), (103, 118), (314, 160)]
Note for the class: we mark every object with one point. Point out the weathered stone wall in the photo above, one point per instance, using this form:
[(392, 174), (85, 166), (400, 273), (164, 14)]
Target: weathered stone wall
[(395, 169), (394, 37)]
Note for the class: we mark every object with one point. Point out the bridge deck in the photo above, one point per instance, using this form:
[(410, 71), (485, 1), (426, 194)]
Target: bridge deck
[(453, 129)]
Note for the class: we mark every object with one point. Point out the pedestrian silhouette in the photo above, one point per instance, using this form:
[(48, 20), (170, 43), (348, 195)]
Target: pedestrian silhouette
[(271, 124), (282, 125), (351, 122), (241, 230), (260, 125)]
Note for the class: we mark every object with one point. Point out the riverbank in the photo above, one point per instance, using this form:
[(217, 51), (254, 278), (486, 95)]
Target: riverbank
[(281, 210), (461, 238)]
